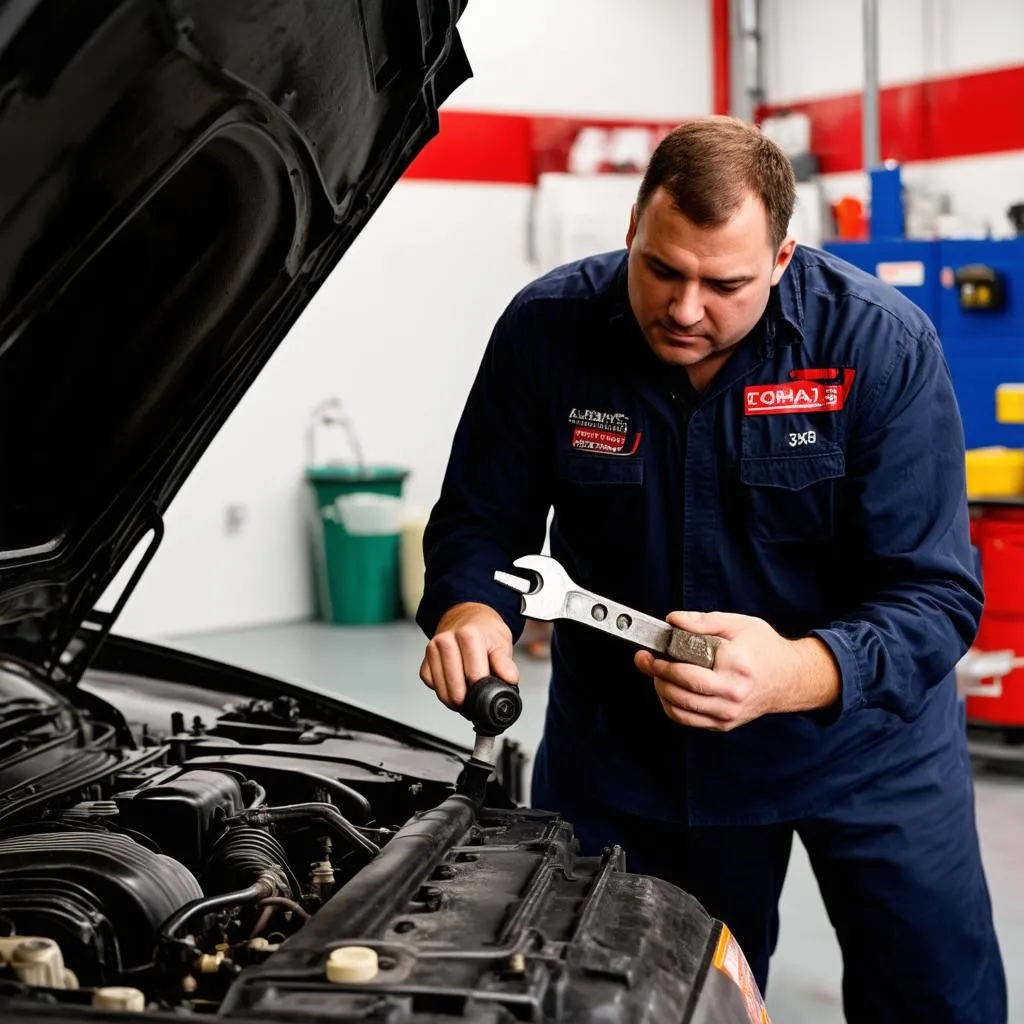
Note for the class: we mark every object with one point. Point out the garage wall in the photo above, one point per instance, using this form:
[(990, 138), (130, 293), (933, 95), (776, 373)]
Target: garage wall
[(968, 59), (398, 330), (814, 49)]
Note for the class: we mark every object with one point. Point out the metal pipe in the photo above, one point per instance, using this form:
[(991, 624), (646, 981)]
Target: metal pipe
[(746, 58), (871, 145), (739, 96), (261, 889), (271, 904), (325, 814)]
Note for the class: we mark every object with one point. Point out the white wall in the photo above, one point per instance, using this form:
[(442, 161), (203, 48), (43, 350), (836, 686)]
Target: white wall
[(398, 330), (814, 49), (621, 58)]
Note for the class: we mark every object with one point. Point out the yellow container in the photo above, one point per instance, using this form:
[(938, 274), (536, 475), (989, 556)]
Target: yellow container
[(995, 472), (1010, 403)]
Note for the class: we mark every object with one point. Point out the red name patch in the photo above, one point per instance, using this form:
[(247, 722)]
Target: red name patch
[(589, 439), (811, 391), (604, 432)]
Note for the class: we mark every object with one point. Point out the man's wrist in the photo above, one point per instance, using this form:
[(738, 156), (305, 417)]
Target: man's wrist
[(817, 677), (458, 613)]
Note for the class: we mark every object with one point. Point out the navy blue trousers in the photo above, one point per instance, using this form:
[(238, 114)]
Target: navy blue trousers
[(899, 869)]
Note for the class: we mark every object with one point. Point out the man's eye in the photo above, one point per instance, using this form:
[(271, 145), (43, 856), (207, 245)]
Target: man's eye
[(725, 289), (660, 271)]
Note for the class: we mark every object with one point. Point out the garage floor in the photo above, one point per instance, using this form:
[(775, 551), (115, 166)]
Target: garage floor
[(378, 667)]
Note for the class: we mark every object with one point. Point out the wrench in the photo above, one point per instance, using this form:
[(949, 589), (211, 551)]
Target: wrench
[(553, 595)]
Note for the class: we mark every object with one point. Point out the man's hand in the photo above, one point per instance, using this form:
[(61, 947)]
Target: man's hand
[(757, 672), (471, 641)]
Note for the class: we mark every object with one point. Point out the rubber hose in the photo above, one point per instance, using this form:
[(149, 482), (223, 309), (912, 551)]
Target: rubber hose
[(327, 814), (242, 855), (208, 904)]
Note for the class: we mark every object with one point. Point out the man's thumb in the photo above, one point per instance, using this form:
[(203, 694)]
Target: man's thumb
[(504, 667)]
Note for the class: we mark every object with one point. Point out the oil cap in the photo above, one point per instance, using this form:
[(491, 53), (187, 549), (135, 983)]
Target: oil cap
[(352, 964), (118, 998)]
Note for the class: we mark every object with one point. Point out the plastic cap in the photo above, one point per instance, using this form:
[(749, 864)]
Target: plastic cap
[(34, 950), (352, 963), (209, 963), (117, 998)]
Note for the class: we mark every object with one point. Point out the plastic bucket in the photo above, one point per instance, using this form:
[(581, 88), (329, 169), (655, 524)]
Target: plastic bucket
[(356, 532)]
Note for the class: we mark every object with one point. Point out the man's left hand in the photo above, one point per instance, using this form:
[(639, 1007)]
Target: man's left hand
[(757, 672)]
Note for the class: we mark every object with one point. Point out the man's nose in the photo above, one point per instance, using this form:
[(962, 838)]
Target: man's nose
[(687, 307)]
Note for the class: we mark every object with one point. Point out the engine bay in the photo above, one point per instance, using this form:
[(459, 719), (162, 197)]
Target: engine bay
[(182, 838), (155, 872)]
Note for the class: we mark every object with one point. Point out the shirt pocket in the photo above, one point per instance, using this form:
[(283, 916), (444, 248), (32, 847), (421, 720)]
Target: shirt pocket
[(792, 497), (601, 471), (599, 509)]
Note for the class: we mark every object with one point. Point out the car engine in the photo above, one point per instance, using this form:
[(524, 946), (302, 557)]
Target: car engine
[(169, 866), (256, 858)]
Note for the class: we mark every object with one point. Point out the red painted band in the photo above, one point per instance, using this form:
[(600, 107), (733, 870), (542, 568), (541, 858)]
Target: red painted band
[(963, 115), (966, 115), (510, 148)]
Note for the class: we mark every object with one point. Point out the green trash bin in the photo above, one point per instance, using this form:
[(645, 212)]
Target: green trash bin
[(356, 542)]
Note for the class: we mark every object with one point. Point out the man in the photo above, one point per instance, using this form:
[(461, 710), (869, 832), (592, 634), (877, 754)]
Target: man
[(763, 436)]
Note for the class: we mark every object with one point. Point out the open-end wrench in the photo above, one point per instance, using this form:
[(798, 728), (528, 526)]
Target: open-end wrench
[(553, 595)]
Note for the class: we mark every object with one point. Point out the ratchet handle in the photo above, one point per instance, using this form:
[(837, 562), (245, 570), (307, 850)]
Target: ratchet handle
[(492, 705)]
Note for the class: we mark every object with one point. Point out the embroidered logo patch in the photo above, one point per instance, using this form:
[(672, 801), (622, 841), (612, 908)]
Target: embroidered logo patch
[(810, 391), (605, 432)]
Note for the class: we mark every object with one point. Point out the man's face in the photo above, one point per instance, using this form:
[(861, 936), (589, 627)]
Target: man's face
[(697, 291)]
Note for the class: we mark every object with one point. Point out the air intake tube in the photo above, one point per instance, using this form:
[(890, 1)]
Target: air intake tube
[(241, 856), (246, 866)]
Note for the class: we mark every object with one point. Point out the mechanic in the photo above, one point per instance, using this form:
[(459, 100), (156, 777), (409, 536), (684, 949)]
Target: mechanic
[(763, 436)]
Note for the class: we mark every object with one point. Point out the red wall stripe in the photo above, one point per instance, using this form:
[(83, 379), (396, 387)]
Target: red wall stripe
[(477, 147), (720, 55), (961, 116), (508, 148), (958, 116)]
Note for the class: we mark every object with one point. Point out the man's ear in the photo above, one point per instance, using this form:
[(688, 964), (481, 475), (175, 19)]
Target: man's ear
[(783, 258), (631, 230)]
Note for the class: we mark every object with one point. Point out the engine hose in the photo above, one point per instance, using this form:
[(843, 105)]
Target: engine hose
[(208, 904), (270, 905), (241, 856), (326, 814), (259, 795)]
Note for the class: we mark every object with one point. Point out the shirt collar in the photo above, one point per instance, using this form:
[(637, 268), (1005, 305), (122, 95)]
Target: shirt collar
[(786, 305), (618, 292)]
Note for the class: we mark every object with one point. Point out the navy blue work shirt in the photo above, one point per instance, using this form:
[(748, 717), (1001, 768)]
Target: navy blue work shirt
[(817, 483)]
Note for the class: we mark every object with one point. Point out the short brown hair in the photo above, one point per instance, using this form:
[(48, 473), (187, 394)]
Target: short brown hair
[(708, 165)]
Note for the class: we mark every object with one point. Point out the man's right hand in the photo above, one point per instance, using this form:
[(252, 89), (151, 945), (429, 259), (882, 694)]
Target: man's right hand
[(471, 641)]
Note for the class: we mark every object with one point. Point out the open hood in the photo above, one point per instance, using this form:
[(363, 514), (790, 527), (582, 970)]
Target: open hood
[(178, 179)]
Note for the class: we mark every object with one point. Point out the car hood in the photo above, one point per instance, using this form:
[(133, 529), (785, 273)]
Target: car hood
[(179, 178)]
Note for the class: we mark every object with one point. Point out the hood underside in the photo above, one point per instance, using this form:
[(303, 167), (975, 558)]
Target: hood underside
[(178, 179)]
